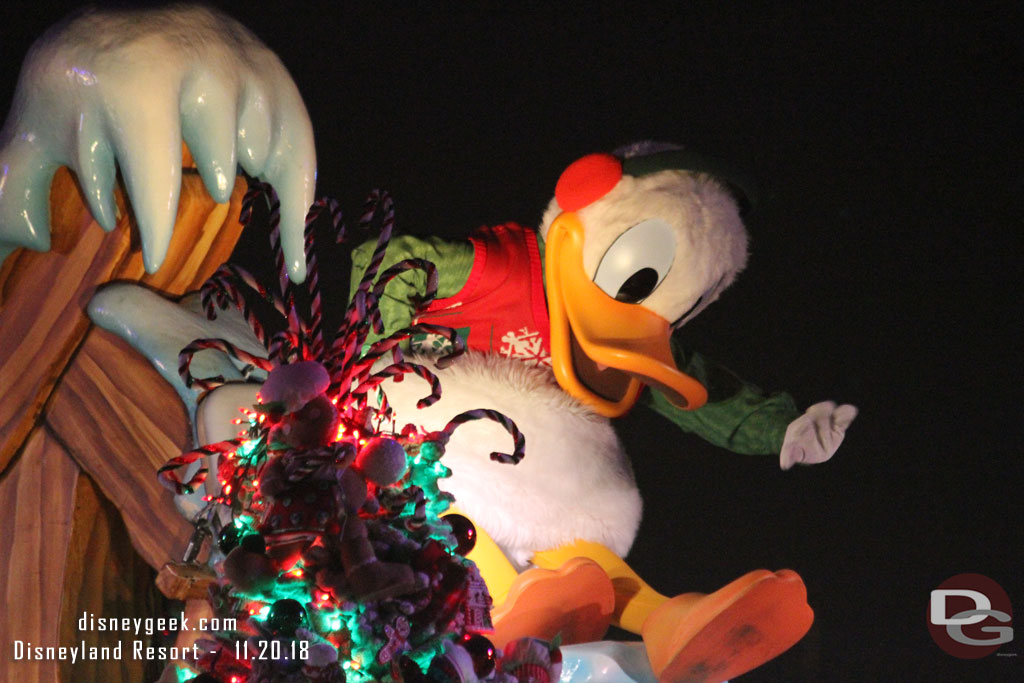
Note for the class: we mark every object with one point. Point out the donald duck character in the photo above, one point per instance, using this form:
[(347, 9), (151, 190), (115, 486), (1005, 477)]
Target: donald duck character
[(570, 324)]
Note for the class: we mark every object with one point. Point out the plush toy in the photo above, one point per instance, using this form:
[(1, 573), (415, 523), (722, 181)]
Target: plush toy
[(570, 323)]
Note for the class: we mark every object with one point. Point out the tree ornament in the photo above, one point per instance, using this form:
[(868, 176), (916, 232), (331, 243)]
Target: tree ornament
[(229, 538), (254, 542), (482, 651), (431, 451), (250, 572), (453, 665), (530, 659), (464, 532), (286, 616), (382, 461), (295, 384)]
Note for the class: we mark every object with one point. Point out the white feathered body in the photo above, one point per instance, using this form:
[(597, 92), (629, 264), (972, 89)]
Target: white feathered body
[(575, 481)]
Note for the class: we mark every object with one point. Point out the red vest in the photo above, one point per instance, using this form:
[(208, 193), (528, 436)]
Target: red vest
[(501, 308)]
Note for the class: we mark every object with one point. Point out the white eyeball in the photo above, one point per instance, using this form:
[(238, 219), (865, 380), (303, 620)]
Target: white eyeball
[(637, 261)]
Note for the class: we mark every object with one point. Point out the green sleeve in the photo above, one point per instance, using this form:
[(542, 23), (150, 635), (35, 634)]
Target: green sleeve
[(454, 261), (738, 416)]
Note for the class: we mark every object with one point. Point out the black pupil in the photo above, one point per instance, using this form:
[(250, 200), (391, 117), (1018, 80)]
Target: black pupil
[(638, 286)]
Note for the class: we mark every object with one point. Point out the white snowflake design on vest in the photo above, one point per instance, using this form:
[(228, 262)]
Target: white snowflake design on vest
[(525, 345)]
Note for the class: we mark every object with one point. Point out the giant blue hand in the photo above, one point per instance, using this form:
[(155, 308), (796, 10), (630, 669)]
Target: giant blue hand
[(125, 88)]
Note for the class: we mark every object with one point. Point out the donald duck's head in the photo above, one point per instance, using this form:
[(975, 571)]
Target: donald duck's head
[(637, 243)]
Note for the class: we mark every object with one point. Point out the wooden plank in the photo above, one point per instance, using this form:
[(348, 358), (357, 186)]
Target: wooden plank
[(42, 300), (104, 577), (66, 550), (120, 421), (43, 296), (37, 501)]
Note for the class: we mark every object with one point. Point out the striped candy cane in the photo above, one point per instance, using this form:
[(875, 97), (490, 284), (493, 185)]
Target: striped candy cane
[(397, 370), (316, 332), (377, 201), (236, 275), (220, 292), (168, 475), (394, 271), (380, 347), (205, 384), (285, 347), (274, 220), (485, 413)]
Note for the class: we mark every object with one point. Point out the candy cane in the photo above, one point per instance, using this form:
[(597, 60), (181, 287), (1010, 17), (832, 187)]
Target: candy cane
[(349, 341), (255, 191), (300, 465), (394, 271), (481, 413), (316, 332), (274, 220), (397, 370), (187, 353), (169, 477), (229, 275), (295, 324), (378, 200), (284, 346), (220, 292), (380, 347)]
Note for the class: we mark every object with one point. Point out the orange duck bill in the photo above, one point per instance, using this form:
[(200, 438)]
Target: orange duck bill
[(604, 351)]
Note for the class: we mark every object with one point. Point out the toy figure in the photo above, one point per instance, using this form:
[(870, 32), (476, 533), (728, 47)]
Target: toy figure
[(298, 482), (569, 323)]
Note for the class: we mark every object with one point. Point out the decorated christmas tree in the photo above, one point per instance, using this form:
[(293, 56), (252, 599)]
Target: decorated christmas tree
[(334, 556)]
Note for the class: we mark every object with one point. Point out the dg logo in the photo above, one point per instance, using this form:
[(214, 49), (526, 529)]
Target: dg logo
[(969, 616)]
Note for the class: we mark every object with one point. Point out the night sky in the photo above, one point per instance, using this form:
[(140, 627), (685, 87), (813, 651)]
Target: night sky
[(886, 145)]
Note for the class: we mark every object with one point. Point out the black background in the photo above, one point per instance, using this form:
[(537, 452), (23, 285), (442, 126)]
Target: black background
[(886, 142)]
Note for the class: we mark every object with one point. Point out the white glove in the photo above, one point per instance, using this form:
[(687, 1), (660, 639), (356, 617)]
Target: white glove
[(815, 436), (125, 87)]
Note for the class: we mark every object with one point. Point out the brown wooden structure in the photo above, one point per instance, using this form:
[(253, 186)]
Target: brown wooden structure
[(84, 424)]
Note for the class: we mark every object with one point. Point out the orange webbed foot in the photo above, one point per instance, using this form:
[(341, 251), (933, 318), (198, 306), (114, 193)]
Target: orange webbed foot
[(714, 637), (574, 602)]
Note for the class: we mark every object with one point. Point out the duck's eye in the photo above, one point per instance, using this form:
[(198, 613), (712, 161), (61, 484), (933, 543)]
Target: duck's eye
[(637, 261)]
